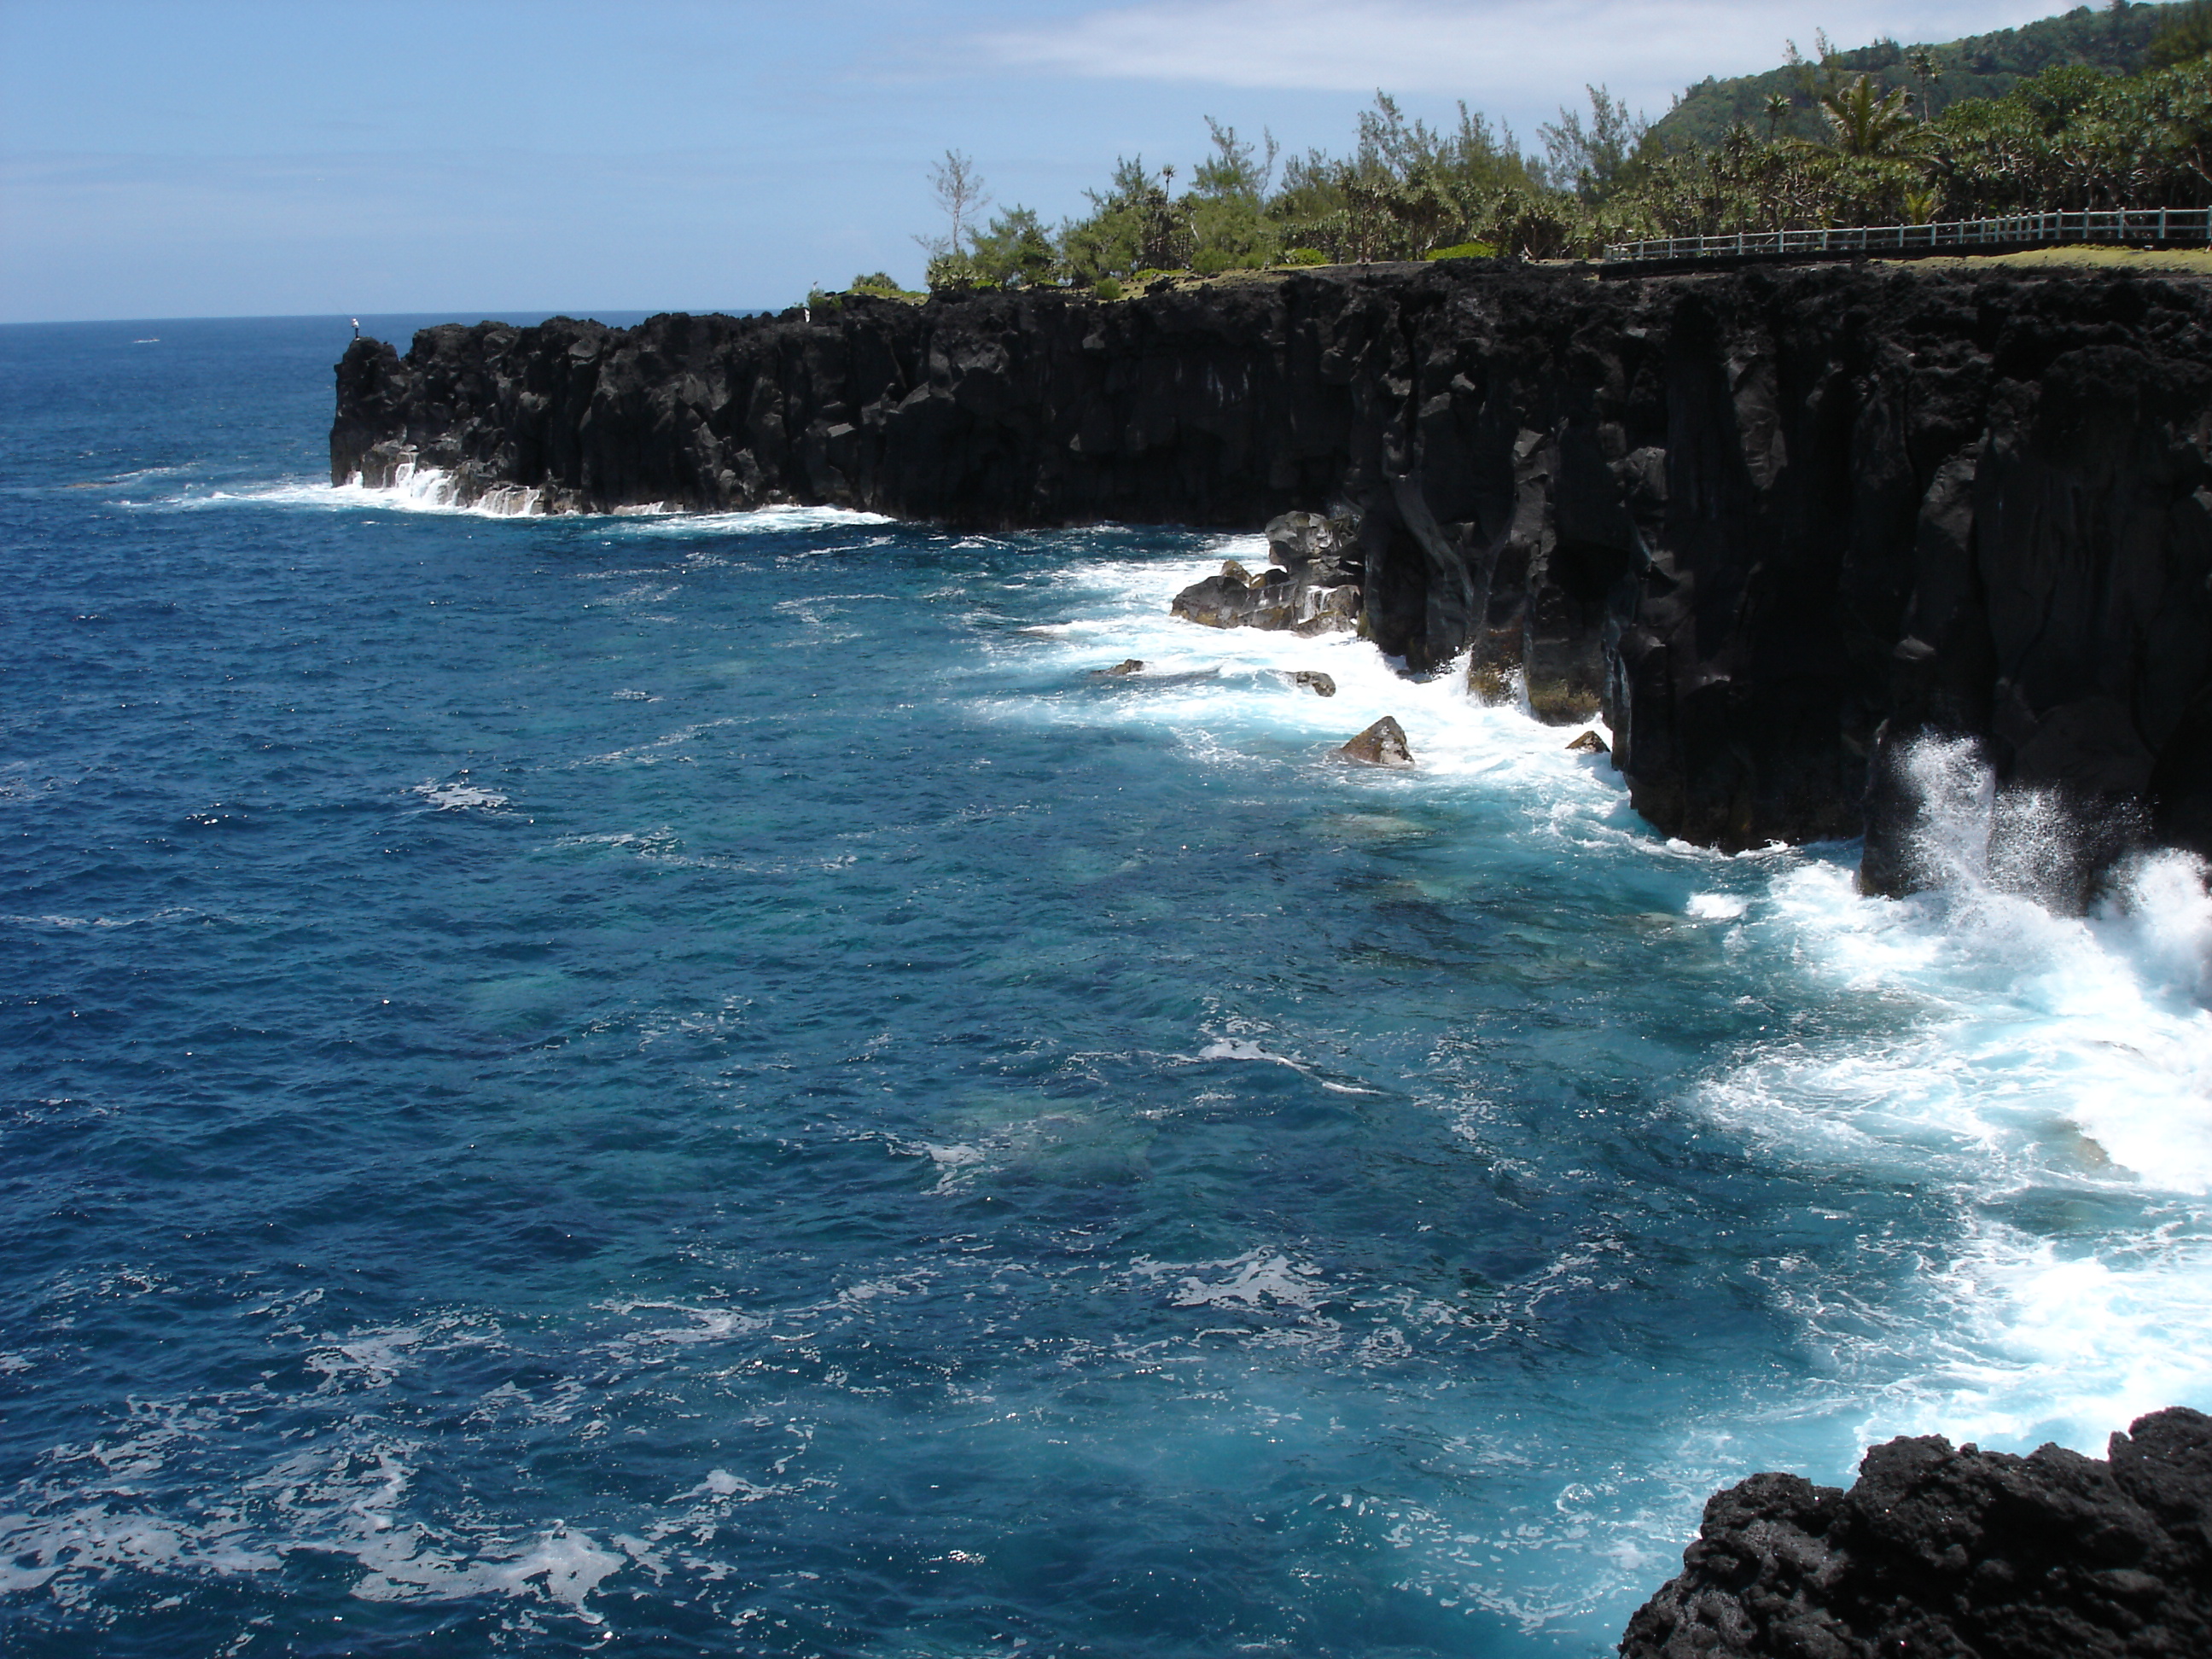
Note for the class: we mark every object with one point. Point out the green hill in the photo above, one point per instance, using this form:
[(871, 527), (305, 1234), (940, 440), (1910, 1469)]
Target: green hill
[(2114, 38)]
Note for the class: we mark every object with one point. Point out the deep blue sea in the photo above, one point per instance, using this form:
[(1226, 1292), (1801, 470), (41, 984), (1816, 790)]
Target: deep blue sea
[(697, 1085)]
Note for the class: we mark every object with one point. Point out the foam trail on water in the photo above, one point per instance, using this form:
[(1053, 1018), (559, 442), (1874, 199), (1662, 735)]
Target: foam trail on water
[(429, 489), (1227, 694)]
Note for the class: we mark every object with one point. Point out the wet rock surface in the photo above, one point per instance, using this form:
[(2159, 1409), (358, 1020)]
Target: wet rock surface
[(1766, 524), (1958, 1552), (1311, 585), (1382, 744)]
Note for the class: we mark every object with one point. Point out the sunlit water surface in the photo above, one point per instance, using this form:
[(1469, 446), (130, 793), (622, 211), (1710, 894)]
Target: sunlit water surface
[(681, 1084)]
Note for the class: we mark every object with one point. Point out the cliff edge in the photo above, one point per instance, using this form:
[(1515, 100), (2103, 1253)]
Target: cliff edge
[(1772, 524)]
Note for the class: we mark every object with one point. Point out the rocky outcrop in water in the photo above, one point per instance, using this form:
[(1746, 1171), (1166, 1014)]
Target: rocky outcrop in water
[(1382, 744), (1962, 1553), (1772, 525)]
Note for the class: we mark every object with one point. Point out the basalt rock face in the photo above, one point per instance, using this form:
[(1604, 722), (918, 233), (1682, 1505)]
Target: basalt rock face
[(1961, 1553), (1771, 525)]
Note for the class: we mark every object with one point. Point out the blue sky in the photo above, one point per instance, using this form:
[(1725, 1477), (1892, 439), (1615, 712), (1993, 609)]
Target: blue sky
[(178, 158)]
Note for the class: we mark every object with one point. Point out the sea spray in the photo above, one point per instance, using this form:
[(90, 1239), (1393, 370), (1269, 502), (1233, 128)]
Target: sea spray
[(2053, 1073)]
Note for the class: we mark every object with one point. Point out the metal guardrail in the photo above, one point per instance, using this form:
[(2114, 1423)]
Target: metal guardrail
[(2187, 227)]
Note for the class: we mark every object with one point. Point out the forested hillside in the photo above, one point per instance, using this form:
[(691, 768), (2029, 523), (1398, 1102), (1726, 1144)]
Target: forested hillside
[(2115, 39), (2094, 109)]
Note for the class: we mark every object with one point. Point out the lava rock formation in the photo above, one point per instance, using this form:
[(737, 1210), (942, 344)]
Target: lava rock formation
[(1962, 1553), (1772, 524)]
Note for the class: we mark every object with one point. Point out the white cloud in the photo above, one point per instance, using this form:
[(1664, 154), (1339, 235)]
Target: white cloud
[(1495, 53)]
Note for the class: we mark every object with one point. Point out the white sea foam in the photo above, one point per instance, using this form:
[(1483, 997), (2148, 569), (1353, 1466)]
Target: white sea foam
[(761, 520), (2036, 1065), (1242, 1049), (457, 797), (2020, 1057), (418, 489), (1717, 907), (1240, 702), (562, 1565), (1257, 1280), (425, 489)]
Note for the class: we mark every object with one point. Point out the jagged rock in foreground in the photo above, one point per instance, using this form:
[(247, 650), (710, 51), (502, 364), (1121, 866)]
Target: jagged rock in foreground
[(1765, 523), (1965, 1554)]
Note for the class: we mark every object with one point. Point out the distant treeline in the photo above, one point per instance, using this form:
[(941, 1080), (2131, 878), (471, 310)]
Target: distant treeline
[(1874, 137), (2116, 39)]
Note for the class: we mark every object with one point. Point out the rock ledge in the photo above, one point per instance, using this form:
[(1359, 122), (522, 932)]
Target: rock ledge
[(1958, 1553)]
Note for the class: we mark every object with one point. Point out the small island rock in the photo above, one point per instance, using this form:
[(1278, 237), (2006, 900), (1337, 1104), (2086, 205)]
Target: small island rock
[(1382, 744), (1589, 743), (1320, 685), (1126, 665)]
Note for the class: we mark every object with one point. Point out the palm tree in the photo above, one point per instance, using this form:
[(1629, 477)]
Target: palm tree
[(1867, 122), (1777, 111), (1921, 62)]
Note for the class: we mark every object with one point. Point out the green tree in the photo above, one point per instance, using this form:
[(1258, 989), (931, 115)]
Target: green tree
[(958, 190), (1865, 121), (1228, 200), (1134, 225), (1014, 250), (1926, 71), (1593, 157), (2186, 35)]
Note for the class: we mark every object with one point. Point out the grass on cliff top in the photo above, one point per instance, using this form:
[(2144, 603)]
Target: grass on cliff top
[(2195, 262)]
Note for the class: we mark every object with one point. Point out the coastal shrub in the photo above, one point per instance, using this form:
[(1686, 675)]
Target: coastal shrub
[(1014, 251), (953, 273), (878, 285), (1304, 256), (1212, 261), (1463, 250), (1106, 289)]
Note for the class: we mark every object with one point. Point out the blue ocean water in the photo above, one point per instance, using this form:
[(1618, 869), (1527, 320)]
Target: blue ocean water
[(699, 1085)]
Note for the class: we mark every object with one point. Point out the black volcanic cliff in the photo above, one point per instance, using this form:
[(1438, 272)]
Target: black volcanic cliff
[(1772, 522)]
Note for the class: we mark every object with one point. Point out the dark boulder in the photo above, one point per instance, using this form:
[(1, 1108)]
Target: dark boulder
[(1382, 744), (1964, 1553), (1320, 685), (1311, 585), (1232, 599)]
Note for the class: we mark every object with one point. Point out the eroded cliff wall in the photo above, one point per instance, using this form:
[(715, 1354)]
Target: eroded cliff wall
[(1773, 523)]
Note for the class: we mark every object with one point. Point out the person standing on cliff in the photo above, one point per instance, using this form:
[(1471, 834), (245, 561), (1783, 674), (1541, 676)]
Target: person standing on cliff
[(356, 321)]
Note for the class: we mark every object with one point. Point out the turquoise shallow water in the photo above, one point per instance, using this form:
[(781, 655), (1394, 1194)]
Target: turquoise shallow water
[(673, 1085)]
